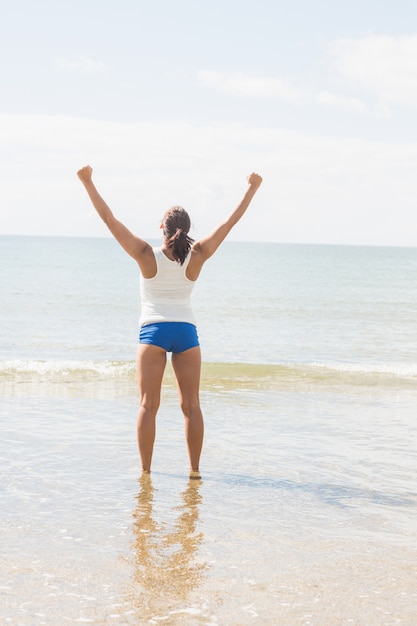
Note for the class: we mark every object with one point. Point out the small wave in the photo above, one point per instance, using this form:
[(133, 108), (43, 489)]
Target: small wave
[(296, 375), (378, 369), (218, 375), (64, 371)]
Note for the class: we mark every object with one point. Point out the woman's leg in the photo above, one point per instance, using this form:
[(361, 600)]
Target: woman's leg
[(187, 367), (150, 362)]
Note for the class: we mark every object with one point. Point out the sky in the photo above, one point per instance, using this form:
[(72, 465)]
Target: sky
[(176, 102)]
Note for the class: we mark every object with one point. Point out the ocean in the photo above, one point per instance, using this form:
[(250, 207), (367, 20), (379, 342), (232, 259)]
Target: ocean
[(306, 513)]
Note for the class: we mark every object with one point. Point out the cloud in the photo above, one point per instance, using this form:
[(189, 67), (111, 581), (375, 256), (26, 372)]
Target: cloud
[(267, 87), (82, 64), (241, 84), (382, 66), (331, 99), (316, 189)]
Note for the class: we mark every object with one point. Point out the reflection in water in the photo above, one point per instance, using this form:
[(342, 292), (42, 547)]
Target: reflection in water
[(165, 564)]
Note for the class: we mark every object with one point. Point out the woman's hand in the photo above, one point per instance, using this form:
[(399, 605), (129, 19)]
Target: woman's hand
[(254, 180), (85, 173)]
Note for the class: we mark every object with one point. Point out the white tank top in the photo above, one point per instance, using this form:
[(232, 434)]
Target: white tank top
[(167, 296)]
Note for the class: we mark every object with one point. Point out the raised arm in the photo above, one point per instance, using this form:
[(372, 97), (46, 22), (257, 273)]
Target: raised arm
[(207, 246), (134, 246)]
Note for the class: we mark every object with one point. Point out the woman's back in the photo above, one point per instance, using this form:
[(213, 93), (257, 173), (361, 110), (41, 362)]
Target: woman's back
[(167, 296)]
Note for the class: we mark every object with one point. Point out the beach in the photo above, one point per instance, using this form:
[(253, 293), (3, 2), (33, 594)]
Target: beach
[(306, 511)]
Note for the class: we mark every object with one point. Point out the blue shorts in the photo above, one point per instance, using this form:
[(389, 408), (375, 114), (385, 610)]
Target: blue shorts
[(171, 336)]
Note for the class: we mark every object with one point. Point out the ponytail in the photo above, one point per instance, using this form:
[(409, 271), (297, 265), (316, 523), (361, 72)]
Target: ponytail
[(176, 227)]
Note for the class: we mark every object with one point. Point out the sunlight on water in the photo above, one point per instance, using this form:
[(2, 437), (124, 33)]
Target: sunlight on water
[(306, 512)]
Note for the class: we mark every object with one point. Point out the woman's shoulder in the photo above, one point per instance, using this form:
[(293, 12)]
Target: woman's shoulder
[(196, 261), (147, 261)]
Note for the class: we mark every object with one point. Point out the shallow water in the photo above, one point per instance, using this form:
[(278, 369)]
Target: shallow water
[(305, 514)]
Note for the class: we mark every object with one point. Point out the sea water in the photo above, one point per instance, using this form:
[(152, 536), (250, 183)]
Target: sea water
[(306, 511)]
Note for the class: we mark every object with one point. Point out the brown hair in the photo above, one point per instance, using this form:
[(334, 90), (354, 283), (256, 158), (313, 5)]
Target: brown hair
[(176, 224)]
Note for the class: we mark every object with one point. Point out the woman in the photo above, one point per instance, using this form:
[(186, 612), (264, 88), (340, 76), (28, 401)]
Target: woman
[(167, 323)]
